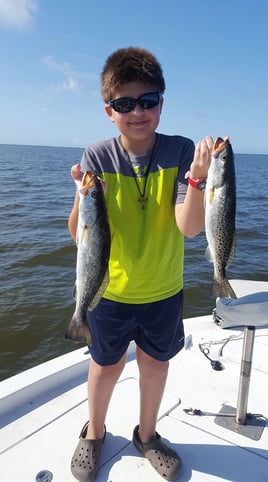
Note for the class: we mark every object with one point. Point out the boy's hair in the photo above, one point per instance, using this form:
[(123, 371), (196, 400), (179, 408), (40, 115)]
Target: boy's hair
[(132, 64)]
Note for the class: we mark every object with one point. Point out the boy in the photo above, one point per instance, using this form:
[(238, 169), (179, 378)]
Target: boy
[(150, 209)]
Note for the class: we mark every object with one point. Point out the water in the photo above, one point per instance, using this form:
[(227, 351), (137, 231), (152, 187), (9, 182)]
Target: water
[(37, 255)]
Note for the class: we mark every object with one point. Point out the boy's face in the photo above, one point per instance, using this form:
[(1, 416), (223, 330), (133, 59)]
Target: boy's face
[(138, 124)]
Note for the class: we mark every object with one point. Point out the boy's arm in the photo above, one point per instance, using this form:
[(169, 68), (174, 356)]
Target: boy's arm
[(73, 218), (190, 215)]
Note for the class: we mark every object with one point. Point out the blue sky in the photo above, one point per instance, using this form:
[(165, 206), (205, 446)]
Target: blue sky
[(214, 55)]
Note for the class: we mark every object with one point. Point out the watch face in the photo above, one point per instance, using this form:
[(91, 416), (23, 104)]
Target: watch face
[(202, 185)]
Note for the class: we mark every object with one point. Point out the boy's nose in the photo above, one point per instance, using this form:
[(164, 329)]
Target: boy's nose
[(137, 108)]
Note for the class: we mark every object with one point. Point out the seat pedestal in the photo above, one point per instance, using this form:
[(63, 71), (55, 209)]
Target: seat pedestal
[(238, 420), (245, 371)]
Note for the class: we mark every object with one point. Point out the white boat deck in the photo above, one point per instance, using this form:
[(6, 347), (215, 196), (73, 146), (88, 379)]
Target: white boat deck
[(43, 409)]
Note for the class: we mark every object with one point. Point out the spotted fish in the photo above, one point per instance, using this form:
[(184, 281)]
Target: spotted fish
[(220, 209), (93, 251)]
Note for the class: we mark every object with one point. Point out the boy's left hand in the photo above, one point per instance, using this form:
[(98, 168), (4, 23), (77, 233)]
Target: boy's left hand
[(202, 156)]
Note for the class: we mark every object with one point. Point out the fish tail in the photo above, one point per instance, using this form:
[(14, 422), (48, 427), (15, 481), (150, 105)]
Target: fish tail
[(78, 332), (222, 289)]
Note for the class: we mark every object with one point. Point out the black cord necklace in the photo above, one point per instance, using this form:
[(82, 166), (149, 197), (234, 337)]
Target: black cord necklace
[(142, 194)]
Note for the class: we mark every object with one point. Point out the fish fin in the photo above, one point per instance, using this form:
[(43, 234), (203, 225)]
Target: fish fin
[(100, 291), (208, 255), (84, 234), (222, 289), (211, 196), (81, 235), (78, 332)]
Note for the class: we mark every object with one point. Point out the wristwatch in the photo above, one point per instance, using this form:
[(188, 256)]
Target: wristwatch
[(199, 184)]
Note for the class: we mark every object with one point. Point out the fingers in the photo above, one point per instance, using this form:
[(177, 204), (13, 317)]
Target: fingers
[(76, 173), (202, 156), (77, 176), (205, 148), (209, 142)]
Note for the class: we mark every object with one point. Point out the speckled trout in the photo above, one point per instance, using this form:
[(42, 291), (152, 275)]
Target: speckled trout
[(93, 251), (220, 208)]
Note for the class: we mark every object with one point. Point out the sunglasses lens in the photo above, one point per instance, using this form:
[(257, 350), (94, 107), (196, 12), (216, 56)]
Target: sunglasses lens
[(123, 105), (127, 104), (148, 101)]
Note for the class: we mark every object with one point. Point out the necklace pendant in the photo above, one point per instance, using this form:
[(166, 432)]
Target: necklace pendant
[(143, 200)]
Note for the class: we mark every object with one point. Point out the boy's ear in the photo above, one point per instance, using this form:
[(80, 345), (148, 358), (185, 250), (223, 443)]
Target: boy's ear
[(109, 112)]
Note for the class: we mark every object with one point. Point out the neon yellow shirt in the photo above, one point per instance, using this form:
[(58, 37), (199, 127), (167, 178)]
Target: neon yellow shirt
[(147, 249)]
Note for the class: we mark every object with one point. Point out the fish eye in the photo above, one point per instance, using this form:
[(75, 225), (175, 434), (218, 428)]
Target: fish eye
[(94, 194), (224, 157)]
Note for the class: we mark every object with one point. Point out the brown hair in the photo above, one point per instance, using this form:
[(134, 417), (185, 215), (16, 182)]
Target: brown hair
[(129, 65)]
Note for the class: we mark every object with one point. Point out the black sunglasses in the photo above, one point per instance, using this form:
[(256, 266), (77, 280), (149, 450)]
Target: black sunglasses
[(127, 104)]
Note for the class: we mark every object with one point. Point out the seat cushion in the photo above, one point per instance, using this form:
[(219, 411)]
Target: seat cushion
[(249, 310)]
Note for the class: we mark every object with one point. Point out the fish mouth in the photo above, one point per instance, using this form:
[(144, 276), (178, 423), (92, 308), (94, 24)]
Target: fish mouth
[(88, 182), (219, 146)]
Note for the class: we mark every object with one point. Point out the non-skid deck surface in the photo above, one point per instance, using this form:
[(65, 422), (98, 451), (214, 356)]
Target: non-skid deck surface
[(45, 438), (39, 441)]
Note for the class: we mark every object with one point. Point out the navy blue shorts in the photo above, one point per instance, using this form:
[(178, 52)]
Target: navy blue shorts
[(157, 328)]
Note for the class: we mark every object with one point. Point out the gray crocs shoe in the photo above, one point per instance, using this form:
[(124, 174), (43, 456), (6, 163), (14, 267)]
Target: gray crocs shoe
[(86, 458), (163, 459)]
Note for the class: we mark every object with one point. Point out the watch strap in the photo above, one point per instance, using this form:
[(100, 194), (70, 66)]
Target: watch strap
[(199, 184)]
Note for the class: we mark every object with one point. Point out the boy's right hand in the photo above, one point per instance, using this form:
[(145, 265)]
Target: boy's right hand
[(77, 175)]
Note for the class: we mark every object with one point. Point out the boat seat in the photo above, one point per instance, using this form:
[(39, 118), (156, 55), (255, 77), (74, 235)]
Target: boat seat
[(248, 311)]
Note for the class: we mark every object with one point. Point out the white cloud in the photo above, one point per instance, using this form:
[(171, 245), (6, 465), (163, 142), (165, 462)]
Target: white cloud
[(71, 84), (51, 63), (17, 14), (73, 79)]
